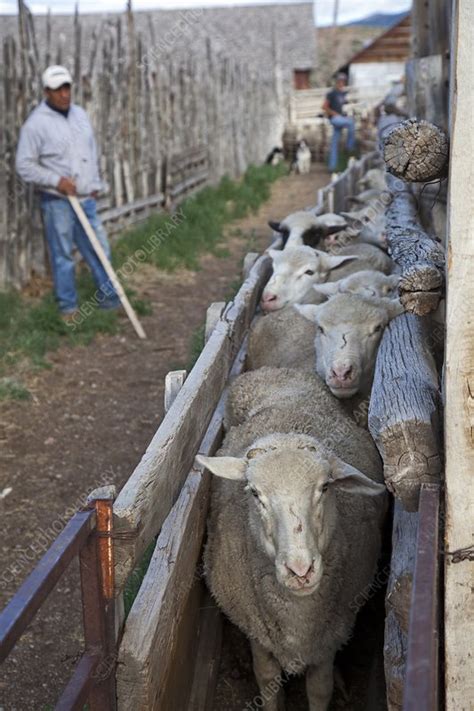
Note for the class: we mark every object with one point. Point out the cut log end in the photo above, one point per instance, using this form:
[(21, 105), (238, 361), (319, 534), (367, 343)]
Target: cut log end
[(416, 151)]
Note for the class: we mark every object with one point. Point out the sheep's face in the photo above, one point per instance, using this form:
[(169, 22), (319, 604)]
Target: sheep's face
[(367, 224), (290, 484), (348, 332), (367, 283), (305, 228), (295, 270)]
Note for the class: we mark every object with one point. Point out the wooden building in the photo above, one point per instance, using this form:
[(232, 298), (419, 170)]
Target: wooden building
[(383, 59)]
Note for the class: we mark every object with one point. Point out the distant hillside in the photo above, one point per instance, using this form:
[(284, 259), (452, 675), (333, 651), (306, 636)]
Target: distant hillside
[(379, 19)]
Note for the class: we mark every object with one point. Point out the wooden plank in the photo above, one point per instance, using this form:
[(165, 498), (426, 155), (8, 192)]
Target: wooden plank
[(208, 657), (422, 670), (398, 603), (162, 626), (174, 381), (149, 494), (404, 417), (148, 645), (459, 376)]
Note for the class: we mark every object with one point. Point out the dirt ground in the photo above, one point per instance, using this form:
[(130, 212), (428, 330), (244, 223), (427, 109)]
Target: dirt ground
[(91, 418)]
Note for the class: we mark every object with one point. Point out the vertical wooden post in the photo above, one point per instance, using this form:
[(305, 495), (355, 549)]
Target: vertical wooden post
[(459, 374)]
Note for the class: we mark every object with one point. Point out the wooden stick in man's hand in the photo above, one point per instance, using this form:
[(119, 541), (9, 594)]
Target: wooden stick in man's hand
[(77, 207)]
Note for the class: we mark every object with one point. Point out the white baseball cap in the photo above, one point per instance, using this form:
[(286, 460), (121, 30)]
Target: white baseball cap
[(55, 76)]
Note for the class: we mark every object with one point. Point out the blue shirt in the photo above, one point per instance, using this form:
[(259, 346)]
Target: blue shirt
[(336, 100)]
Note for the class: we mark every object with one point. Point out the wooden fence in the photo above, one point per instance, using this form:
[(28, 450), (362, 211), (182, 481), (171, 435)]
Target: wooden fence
[(164, 127)]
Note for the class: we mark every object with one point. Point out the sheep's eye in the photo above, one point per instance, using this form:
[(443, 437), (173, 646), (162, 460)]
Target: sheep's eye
[(320, 329), (309, 272), (366, 219), (378, 328), (325, 487)]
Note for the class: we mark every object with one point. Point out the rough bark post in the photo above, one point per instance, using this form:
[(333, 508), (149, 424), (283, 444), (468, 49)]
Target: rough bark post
[(420, 257), (404, 417), (415, 151)]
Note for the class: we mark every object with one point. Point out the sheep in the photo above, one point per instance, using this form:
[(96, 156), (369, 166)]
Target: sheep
[(294, 531), (373, 178), (304, 227), (366, 283), (295, 270), (348, 332), (284, 339), (303, 158), (366, 225), (366, 197)]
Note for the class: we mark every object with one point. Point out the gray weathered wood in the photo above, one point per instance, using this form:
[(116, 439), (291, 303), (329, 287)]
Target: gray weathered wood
[(208, 657), (213, 314), (149, 494), (174, 381), (416, 151), (162, 626), (459, 376), (404, 417), (397, 603), (249, 260), (420, 256)]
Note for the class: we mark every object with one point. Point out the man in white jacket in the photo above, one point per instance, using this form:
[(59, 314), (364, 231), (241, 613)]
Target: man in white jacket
[(57, 153)]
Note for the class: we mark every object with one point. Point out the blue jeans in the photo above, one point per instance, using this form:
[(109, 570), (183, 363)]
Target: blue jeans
[(63, 230), (339, 123)]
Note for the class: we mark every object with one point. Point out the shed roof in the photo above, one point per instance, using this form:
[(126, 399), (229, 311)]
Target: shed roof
[(393, 45)]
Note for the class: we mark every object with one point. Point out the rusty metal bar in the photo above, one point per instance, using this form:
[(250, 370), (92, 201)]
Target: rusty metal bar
[(76, 693), (422, 674), (98, 607), (28, 599)]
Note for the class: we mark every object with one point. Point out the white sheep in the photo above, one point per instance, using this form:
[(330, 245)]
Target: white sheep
[(304, 227), (366, 197), (366, 283), (348, 332), (297, 269), (374, 178), (366, 225), (283, 339), (294, 530)]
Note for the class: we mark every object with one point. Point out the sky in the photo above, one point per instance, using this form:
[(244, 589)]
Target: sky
[(349, 9)]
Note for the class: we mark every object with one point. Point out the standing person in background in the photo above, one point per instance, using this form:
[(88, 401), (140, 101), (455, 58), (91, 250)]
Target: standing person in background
[(334, 108), (57, 153)]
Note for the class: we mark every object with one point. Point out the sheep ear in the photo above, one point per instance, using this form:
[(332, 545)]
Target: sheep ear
[(332, 229), (350, 216), (225, 467), (330, 261), (276, 226), (350, 479), (309, 311), (328, 289)]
